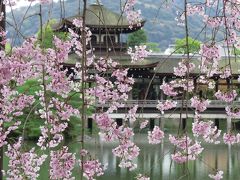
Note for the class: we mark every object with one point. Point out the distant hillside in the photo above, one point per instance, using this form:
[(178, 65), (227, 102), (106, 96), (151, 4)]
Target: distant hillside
[(161, 26)]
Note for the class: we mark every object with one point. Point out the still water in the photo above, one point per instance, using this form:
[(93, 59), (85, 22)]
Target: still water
[(155, 161)]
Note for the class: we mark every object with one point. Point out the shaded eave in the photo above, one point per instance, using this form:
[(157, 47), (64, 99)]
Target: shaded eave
[(162, 66), (64, 24)]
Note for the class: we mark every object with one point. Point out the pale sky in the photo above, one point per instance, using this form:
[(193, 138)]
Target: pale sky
[(22, 3)]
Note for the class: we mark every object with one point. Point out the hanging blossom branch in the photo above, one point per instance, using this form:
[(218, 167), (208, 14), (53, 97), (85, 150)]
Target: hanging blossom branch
[(31, 62)]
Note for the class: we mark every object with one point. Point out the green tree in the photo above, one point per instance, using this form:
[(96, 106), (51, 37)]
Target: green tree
[(153, 46), (235, 51), (48, 34), (137, 38), (181, 48)]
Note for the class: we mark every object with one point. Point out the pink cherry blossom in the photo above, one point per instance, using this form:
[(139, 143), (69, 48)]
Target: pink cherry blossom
[(217, 176), (139, 53), (168, 89), (227, 96), (229, 138), (233, 112), (199, 104), (92, 169), (183, 68), (156, 136), (144, 124), (61, 164), (186, 149), (23, 164), (168, 104), (206, 130), (142, 177)]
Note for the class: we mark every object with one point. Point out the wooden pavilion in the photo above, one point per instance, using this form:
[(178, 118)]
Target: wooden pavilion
[(108, 28)]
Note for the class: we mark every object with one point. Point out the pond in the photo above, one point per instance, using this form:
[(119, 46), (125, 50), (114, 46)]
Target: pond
[(155, 161)]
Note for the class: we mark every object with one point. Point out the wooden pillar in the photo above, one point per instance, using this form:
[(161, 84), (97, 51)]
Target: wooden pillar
[(228, 83), (200, 94), (195, 85), (119, 122), (216, 84), (216, 122), (151, 124), (229, 124), (229, 162), (184, 124), (162, 122), (90, 124)]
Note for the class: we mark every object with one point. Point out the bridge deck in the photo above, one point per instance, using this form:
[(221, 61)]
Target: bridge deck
[(214, 104)]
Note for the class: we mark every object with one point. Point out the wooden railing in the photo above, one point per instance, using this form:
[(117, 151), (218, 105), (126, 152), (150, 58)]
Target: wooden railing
[(110, 45), (153, 103)]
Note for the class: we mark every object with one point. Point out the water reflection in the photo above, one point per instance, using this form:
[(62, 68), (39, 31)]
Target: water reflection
[(155, 161)]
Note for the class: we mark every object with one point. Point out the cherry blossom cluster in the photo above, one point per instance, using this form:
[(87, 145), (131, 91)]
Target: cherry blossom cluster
[(210, 57), (217, 176), (139, 53), (233, 112), (168, 89), (213, 22), (131, 115), (183, 68), (13, 103), (92, 169), (144, 124), (129, 4), (6, 132), (166, 105), (112, 92), (22, 164), (206, 130), (199, 104), (187, 150), (26, 62), (56, 123), (127, 151), (183, 85), (227, 96), (195, 9), (229, 138), (61, 164), (133, 16), (142, 177), (104, 63), (155, 136), (204, 80), (175, 87)]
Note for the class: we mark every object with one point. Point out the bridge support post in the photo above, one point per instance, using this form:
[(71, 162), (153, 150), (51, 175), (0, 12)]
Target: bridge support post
[(90, 124), (229, 161), (119, 121), (216, 123), (229, 124), (184, 124), (162, 121), (151, 124)]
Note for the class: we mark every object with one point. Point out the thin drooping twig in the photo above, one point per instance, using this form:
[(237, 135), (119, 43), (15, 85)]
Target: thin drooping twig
[(2, 27), (83, 83)]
